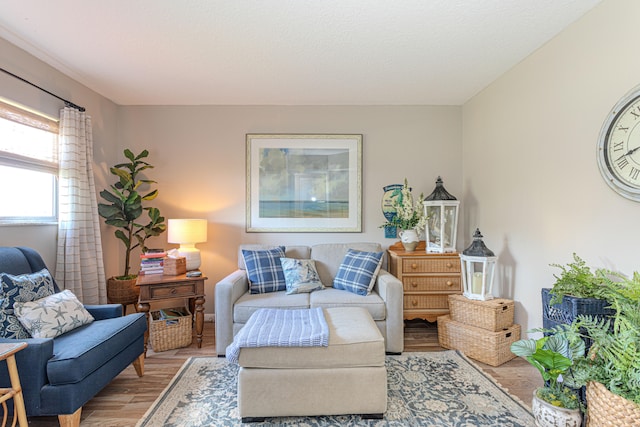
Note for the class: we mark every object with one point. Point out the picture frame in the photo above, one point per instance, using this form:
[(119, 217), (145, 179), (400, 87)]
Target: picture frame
[(304, 183)]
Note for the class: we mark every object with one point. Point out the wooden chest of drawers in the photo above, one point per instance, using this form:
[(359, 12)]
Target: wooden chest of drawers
[(428, 280)]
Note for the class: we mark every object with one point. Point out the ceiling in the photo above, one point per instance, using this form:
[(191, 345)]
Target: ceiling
[(285, 52)]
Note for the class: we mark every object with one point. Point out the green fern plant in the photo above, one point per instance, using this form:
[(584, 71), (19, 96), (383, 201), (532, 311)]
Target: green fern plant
[(614, 356), (576, 279)]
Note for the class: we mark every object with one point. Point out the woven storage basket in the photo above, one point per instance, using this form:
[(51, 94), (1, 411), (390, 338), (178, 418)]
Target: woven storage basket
[(167, 334), (492, 315), (605, 409), (492, 348)]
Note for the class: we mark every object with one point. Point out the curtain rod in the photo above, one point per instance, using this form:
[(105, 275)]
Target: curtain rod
[(66, 102)]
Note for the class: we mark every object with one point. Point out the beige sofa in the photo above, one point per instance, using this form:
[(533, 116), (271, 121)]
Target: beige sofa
[(234, 304)]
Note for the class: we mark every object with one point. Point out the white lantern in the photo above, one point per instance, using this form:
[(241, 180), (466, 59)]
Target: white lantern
[(441, 209), (478, 266)]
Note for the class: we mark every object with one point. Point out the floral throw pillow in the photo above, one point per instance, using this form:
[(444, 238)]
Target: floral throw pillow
[(52, 316), (20, 288), (300, 275)]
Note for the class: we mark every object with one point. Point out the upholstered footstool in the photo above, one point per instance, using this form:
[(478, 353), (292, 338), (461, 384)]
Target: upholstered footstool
[(347, 377)]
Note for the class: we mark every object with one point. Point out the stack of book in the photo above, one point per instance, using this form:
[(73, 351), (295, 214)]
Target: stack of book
[(152, 261)]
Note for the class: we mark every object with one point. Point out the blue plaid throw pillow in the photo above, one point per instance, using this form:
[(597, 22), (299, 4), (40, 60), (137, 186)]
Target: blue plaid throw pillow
[(265, 270), (358, 272)]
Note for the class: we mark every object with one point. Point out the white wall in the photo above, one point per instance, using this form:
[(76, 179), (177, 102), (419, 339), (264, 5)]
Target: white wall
[(531, 180), (199, 158)]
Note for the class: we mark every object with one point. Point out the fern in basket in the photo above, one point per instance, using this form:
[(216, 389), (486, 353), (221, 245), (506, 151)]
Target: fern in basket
[(576, 279), (614, 357)]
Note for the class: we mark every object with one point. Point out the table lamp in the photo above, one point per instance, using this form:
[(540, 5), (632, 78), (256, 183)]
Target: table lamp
[(188, 232)]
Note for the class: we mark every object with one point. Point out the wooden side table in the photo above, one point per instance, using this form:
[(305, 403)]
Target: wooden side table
[(427, 280), (7, 352), (158, 287)]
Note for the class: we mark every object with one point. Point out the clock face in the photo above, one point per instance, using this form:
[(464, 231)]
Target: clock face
[(619, 147)]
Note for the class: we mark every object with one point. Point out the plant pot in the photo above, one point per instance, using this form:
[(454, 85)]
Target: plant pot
[(547, 415), (409, 239), (606, 409), (122, 291)]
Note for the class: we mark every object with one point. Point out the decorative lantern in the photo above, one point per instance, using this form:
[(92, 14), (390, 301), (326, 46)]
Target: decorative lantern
[(441, 209), (478, 266)]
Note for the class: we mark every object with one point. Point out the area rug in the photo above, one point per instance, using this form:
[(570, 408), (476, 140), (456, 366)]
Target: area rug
[(424, 389)]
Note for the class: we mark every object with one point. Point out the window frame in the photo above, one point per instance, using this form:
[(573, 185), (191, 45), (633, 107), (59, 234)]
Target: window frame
[(26, 117)]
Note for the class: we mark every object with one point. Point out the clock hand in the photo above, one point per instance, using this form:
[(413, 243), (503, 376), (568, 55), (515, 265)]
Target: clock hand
[(630, 152)]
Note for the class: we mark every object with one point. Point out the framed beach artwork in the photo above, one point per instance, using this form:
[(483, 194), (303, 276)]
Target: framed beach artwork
[(304, 183)]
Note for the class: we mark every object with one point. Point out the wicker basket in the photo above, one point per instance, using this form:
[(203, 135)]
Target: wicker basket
[(167, 334), (605, 409), (492, 315), (122, 291), (492, 348)]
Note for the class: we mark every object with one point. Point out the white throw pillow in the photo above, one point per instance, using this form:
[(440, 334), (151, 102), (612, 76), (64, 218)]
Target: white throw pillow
[(52, 316)]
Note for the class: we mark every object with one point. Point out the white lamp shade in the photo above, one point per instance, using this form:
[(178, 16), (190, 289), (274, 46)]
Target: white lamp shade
[(188, 232)]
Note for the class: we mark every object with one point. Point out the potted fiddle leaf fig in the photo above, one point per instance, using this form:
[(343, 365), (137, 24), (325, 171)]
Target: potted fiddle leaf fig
[(557, 402), (126, 211)]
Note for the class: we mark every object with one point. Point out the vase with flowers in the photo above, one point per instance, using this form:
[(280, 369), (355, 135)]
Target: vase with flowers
[(409, 216)]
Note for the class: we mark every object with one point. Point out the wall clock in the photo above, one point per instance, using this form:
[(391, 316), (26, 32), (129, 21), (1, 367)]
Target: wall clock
[(619, 147)]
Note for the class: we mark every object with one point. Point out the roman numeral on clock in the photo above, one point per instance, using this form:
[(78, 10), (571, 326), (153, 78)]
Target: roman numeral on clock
[(634, 173), (618, 146), (622, 162)]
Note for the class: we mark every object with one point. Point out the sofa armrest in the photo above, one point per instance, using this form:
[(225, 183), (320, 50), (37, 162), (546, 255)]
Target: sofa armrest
[(227, 292), (32, 368), (104, 311), (390, 290)]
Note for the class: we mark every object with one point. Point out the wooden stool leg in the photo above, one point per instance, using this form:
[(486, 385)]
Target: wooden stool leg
[(18, 400)]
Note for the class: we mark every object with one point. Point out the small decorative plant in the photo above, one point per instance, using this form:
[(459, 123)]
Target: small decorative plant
[(409, 215), (576, 279), (125, 206), (553, 355)]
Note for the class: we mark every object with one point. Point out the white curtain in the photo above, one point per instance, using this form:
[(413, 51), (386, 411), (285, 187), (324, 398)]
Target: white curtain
[(79, 265)]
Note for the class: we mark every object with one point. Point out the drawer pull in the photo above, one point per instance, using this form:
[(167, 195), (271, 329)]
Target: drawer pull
[(174, 291), (449, 283), (414, 284), (414, 265), (449, 265), (414, 302)]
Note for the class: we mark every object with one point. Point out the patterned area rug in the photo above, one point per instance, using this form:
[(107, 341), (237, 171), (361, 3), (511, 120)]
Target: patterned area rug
[(424, 389)]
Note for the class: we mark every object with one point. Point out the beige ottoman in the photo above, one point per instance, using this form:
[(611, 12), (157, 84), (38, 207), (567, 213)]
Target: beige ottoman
[(347, 377)]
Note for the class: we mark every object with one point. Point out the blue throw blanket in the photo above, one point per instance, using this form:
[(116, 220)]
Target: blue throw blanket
[(269, 327)]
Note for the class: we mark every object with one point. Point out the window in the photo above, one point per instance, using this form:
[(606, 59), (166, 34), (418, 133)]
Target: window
[(28, 166)]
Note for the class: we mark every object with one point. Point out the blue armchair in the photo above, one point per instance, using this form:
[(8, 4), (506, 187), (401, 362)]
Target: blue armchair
[(59, 375)]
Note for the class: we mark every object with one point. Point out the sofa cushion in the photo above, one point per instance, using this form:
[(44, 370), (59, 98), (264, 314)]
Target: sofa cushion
[(20, 288), (331, 297), (358, 271), (248, 303), (52, 316), (329, 256), (80, 352), (300, 275), (264, 270)]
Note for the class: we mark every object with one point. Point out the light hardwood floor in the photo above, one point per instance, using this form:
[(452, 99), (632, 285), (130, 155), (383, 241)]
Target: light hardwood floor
[(123, 402)]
